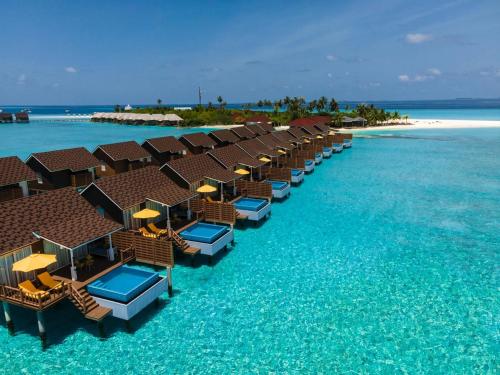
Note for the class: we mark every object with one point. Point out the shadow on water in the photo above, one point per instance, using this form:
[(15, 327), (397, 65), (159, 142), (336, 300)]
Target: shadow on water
[(63, 320)]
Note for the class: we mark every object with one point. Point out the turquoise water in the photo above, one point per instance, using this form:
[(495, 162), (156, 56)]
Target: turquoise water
[(45, 135), (385, 260)]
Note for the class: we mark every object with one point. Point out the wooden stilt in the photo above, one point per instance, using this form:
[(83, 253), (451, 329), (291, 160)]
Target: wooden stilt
[(100, 328), (8, 318), (169, 280), (41, 326)]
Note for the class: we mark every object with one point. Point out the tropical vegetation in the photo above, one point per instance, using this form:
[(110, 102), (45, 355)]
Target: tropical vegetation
[(280, 111)]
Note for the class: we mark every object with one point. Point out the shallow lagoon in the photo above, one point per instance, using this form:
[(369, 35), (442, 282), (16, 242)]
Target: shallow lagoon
[(385, 259)]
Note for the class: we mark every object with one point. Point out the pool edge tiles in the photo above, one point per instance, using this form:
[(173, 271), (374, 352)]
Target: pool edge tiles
[(254, 215), (211, 248), (135, 299)]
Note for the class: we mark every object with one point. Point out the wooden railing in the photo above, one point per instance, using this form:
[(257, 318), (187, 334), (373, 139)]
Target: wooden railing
[(215, 212), (306, 154), (16, 296), (338, 138), (127, 254), (81, 179), (78, 298), (11, 193), (146, 250), (178, 240), (282, 173), (254, 189)]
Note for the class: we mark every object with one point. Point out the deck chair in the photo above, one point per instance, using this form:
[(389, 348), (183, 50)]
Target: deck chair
[(46, 279), (28, 289), (153, 228), (145, 233), (209, 199)]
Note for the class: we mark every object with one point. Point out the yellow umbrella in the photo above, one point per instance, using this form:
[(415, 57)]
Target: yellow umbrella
[(146, 214), (307, 141), (265, 160), (34, 262), (282, 152), (242, 171), (331, 133), (206, 189), (319, 137)]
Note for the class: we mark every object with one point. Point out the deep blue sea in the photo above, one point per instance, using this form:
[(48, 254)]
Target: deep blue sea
[(462, 109), (385, 260)]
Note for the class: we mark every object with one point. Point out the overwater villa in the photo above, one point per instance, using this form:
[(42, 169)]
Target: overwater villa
[(6, 117), (223, 137), (74, 167), (22, 117), (121, 157), (289, 143), (234, 158), (14, 178), (307, 155), (243, 132), (347, 143), (197, 143), (338, 142), (164, 149)]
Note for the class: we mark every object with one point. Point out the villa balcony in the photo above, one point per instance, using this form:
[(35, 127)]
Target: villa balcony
[(81, 179), (10, 193)]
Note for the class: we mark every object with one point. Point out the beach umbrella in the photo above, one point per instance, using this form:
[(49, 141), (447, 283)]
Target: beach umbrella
[(206, 189), (282, 152), (242, 171), (307, 141), (319, 137), (265, 160), (146, 214), (34, 262)]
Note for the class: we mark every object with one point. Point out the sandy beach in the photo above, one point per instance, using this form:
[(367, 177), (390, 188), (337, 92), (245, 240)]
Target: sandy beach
[(436, 124)]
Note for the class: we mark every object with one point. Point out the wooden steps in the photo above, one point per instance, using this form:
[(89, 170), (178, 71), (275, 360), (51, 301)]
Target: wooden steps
[(84, 302), (181, 244)]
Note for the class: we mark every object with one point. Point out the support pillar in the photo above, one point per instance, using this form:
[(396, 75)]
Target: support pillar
[(189, 210), (169, 281), (100, 328), (111, 251), (8, 317), (168, 218), (41, 326)]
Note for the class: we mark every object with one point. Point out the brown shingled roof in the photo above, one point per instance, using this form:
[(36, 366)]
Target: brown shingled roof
[(258, 119), (232, 155), (13, 171), (132, 188), (198, 167), (256, 129), (74, 159), (311, 129), (243, 132), (271, 141), (254, 148), (61, 216), (284, 136), (129, 150), (166, 144), (199, 139), (298, 133), (265, 126), (225, 135)]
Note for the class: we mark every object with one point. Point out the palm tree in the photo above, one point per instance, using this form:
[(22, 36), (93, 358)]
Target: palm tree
[(321, 104), (334, 106), (158, 101), (312, 105), (260, 104), (220, 101)]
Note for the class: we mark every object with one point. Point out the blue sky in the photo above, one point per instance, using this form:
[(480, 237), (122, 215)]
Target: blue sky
[(106, 52)]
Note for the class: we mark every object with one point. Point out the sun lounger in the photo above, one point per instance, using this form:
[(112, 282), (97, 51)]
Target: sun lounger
[(28, 289), (145, 233), (49, 282), (153, 228)]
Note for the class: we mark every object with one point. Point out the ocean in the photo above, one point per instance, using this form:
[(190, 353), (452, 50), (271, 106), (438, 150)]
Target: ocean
[(385, 260)]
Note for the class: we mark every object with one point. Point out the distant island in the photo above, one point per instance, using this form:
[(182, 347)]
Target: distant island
[(280, 112)]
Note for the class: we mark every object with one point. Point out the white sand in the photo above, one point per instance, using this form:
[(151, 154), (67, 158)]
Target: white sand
[(437, 124)]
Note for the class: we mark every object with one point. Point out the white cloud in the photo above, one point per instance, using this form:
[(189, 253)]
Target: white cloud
[(70, 69), (374, 84), (55, 85), (434, 71), (330, 75), (21, 80), (404, 78), (331, 58), (417, 38)]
